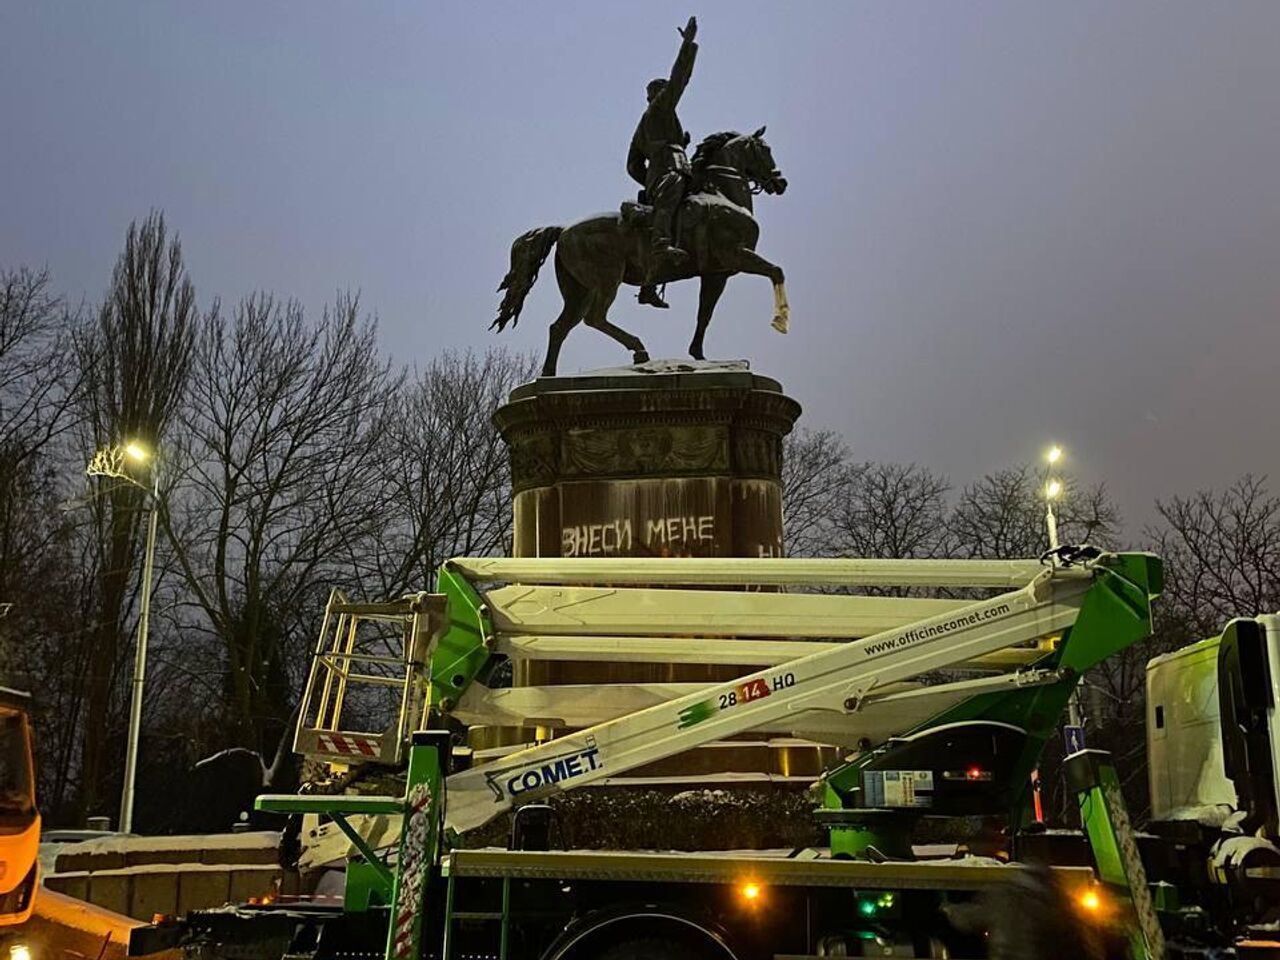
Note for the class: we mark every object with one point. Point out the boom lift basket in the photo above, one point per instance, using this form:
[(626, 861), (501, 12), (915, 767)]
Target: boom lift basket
[(369, 656)]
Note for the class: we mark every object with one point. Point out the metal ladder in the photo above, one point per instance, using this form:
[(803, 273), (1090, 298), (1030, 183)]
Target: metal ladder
[(368, 656), (452, 916)]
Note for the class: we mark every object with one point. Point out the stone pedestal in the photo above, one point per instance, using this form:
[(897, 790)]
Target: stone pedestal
[(670, 459), (661, 459)]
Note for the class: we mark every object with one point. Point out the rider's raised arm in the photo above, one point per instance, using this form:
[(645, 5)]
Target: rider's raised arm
[(683, 69)]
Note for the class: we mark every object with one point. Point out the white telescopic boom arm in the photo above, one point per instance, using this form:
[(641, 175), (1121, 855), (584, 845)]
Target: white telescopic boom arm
[(837, 679)]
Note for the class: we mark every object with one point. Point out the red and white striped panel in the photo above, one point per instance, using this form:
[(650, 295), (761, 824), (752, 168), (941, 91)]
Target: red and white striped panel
[(346, 745), (413, 869)]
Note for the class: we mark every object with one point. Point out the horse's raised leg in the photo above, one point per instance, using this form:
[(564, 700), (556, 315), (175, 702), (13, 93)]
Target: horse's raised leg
[(748, 261), (708, 297), (598, 308), (781, 309), (575, 303)]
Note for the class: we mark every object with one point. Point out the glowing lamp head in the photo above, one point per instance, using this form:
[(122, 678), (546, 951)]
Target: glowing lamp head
[(1053, 489), (750, 892), (1054, 454), (137, 452), (1090, 900), (19, 951)]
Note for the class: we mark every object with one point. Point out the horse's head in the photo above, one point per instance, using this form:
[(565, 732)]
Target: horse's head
[(757, 163), (738, 165)]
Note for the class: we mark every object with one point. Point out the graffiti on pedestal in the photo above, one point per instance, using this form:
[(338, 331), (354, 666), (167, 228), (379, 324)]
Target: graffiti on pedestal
[(597, 539), (659, 536)]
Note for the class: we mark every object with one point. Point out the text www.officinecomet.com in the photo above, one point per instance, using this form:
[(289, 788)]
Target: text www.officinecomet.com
[(908, 637)]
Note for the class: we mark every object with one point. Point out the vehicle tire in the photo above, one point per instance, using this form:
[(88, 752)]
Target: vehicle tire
[(650, 948)]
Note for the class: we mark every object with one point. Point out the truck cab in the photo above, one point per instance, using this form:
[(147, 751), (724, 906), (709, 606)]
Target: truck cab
[(1213, 745), (19, 818), (1213, 728)]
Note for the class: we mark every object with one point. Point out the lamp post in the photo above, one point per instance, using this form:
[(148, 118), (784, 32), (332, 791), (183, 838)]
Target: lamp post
[(1052, 491), (109, 462)]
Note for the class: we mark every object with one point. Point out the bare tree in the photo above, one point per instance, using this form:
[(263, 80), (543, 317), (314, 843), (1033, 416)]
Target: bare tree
[(281, 435), (893, 510), (445, 478), (1222, 551), (44, 646), (815, 471), (37, 377), (1002, 516), (134, 363), (37, 386)]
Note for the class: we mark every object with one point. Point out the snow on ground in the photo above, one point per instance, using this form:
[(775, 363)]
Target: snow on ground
[(194, 843), (154, 869)]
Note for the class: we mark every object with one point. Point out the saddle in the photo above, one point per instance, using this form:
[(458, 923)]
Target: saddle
[(638, 215)]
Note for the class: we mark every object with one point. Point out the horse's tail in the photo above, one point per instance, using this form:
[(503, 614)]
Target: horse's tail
[(527, 256)]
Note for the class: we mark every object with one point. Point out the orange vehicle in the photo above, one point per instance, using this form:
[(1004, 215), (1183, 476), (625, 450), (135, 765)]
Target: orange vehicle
[(19, 818)]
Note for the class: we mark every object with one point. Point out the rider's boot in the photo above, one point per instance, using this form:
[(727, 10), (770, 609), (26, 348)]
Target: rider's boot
[(662, 258), (649, 296), (663, 252)]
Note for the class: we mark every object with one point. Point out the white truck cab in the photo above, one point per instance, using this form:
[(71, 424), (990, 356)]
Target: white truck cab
[(1213, 728)]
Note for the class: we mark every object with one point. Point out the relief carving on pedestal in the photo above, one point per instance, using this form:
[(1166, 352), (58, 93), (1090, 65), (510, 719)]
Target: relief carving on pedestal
[(757, 454), (533, 460), (677, 449)]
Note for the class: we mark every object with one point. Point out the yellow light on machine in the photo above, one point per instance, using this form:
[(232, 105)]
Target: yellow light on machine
[(1091, 902), (19, 951), (749, 892)]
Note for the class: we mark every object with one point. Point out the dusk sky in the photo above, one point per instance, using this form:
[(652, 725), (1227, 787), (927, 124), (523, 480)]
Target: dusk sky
[(1007, 223)]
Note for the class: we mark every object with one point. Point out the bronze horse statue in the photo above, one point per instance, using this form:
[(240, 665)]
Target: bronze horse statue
[(715, 231)]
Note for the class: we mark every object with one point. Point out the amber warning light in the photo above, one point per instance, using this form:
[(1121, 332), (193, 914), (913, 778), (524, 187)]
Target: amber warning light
[(1092, 902)]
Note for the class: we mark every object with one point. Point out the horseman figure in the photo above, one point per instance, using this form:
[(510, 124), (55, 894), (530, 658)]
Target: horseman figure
[(657, 160), (712, 238)]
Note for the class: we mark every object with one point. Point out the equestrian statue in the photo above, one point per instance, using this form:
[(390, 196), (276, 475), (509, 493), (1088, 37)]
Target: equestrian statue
[(692, 219)]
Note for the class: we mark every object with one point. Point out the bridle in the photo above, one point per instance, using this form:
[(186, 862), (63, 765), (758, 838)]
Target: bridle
[(754, 187)]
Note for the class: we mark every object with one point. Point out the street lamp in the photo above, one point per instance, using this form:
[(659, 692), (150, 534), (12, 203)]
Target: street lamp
[(110, 462), (1052, 490)]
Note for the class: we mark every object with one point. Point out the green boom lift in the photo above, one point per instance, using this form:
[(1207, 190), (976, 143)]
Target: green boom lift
[(950, 698)]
